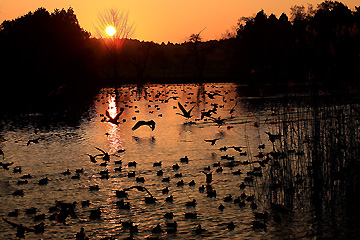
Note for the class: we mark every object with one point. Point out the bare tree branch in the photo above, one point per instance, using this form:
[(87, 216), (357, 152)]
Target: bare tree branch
[(116, 18)]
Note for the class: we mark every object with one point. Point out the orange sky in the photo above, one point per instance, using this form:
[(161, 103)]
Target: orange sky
[(163, 20)]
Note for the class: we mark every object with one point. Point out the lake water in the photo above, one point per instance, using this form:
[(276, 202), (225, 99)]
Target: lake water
[(282, 187)]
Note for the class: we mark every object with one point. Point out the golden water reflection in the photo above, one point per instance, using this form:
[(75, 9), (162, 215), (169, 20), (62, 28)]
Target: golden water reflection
[(174, 137), (113, 132)]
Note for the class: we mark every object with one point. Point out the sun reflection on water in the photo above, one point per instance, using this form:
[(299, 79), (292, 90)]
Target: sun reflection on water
[(113, 130)]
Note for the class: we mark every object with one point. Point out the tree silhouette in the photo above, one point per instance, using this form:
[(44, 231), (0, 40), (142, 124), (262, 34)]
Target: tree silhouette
[(116, 18), (138, 55), (113, 45), (48, 54), (199, 54), (44, 54)]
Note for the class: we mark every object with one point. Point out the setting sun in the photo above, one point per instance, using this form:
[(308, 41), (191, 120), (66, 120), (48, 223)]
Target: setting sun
[(110, 30)]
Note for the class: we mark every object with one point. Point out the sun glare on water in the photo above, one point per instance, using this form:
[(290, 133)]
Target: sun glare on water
[(110, 31)]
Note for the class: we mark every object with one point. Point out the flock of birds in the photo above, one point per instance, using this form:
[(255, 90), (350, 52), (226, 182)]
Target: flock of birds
[(62, 212)]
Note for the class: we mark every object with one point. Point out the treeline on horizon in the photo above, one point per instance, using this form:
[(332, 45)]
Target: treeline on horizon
[(49, 56)]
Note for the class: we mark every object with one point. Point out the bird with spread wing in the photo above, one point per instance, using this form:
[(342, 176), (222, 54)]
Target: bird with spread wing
[(219, 121), (114, 120), (232, 110), (20, 229), (273, 137), (185, 113), (93, 157), (150, 123), (212, 141), (105, 155), (35, 140)]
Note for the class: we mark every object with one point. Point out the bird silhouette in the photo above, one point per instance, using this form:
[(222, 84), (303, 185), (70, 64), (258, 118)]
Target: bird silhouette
[(223, 149), (212, 141), (199, 229), (232, 110), (169, 198), (106, 156), (95, 213), (191, 203), (157, 229), (169, 215), (237, 148), (93, 158), (212, 95), (208, 113), (36, 140), (231, 225), (219, 121), (17, 169), (221, 207), (139, 188), (20, 229), (44, 181), (81, 235), (173, 97), (273, 137), (205, 114), (14, 213), (150, 123), (6, 165), (185, 113), (116, 118)]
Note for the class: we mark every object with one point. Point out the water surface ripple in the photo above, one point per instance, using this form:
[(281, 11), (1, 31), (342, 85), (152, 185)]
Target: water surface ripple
[(63, 147)]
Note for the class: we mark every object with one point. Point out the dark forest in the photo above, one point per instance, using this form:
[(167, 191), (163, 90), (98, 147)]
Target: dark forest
[(48, 56)]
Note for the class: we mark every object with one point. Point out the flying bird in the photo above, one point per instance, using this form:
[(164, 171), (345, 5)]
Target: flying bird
[(36, 140), (150, 123), (20, 229), (273, 137), (141, 189), (93, 158), (205, 114), (212, 95), (218, 121), (6, 165), (185, 113), (173, 97), (213, 141), (106, 156), (114, 120), (237, 148), (232, 110)]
